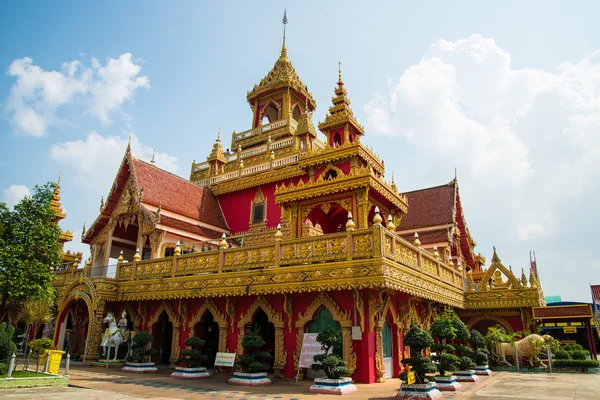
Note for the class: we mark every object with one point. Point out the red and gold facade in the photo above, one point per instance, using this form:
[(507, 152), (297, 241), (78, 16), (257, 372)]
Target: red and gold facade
[(283, 225)]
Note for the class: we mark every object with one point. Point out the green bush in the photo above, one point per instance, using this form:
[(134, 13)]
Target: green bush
[(572, 347), (417, 339), (193, 357), (39, 346), (3, 369), (7, 346), (562, 355), (465, 363), (443, 331), (579, 355), (139, 351), (254, 360), (332, 364), (576, 364)]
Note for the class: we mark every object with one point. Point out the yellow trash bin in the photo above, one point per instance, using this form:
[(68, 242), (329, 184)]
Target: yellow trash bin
[(55, 358)]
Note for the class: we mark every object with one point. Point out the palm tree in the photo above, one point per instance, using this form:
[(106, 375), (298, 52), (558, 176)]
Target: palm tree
[(34, 313)]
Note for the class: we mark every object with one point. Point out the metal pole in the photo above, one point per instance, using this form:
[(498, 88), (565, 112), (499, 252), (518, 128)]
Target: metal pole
[(11, 365), (67, 365), (517, 358), (549, 357), (47, 361), (87, 340)]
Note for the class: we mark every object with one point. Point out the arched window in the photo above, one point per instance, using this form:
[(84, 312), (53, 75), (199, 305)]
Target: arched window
[(296, 113), (337, 140), (323, 319), (270, 114), (169, 251)]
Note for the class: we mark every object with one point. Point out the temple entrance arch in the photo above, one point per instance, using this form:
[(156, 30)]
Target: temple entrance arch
[(72, 327), (330, 217), (162, 339), (220, 321), (338, 315), (279, 353), (207, 329), (483, 322), (323, 318), (267, 332)]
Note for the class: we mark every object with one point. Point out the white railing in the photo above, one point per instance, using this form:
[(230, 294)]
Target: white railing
[(285, 161), (225, 177), (262, 129), (203, 182), (231, 157), (201, 166), (253, 151), (255, 169), (281, 143)]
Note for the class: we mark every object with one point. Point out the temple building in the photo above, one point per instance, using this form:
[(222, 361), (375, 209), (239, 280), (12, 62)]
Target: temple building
[(292, 230)]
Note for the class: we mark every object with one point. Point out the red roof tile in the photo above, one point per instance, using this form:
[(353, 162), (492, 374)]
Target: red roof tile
[(427, 237), (189, 227), (429, 207), (173, 193)]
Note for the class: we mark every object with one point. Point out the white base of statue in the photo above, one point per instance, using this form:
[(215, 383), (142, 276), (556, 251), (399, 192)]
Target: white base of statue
[(140, 368), (250, 379), (333, 386), (447, 383), (466, 376), (190, 373), (419, 391)]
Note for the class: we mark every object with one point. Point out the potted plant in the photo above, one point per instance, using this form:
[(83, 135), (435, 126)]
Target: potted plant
[(443, 332), (193, 359), (138, 360), (337, 381), (479, 354), (251, 369), (466, 373), (418, 340)]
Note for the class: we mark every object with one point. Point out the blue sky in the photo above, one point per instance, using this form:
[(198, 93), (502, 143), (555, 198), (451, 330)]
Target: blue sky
[(508, 93)]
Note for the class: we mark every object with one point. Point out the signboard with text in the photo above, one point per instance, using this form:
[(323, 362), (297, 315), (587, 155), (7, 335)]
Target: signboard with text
[(310, 348), (225, 359)]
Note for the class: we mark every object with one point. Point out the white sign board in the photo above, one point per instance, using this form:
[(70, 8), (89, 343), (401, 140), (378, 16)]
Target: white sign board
[(310, 348), (225, 359)]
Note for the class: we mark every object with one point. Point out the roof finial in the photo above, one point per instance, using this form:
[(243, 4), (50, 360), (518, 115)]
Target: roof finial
[(218, 134), (153, 162), (284, 21), (340, 83)]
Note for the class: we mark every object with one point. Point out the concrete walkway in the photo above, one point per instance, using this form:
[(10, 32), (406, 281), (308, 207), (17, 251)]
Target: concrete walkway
[(101, 384)]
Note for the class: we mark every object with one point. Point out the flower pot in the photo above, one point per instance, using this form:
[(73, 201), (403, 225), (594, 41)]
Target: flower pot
[(447, 383), (466, 376), (250, 379), (332, 386), (483, 370), (190, 373), (418, 391), (139, 367)]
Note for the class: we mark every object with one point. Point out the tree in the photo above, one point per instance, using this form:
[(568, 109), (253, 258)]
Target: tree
[(193, 357), (29, 248), (417, 339), (332, 364), (443, 330), (7, 346), (253, 361), (139, 351), (34, 313)]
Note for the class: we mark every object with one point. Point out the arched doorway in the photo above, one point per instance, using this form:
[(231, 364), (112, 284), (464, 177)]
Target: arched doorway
[(267, 331), (388, 346), (162, 339), (72, 326), (323, 319), (330, 217), (208, 330)]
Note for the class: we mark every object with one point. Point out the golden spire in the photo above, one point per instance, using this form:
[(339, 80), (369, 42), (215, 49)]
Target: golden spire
[(284, 21), (55, 202), (340, 83), (153, 154)]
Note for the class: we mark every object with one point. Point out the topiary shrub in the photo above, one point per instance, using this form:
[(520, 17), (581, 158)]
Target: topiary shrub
[(39, 347), (479, 355), (417, 339), (139, 352), (562, 355), (572, 347), (579, 355), (332, 364), (580, 364), (193, 357), (3, 369), (254, 360), (7, 346), (443, 331), (465, 363)]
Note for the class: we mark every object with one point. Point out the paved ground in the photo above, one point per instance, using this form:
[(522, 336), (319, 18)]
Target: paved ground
[(100, 384)]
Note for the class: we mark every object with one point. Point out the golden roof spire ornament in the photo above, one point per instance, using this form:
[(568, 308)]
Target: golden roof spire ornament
[(284, 21), (153, 154), (217, 153), (340, 83)]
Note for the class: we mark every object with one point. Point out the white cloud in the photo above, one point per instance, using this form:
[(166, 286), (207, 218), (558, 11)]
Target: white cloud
[(13, 194), (37, 94), (95, 160), (527, 140)]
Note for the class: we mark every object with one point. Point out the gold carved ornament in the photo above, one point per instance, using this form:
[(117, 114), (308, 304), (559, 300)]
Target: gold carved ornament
[(218, 317), (276, 319)]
